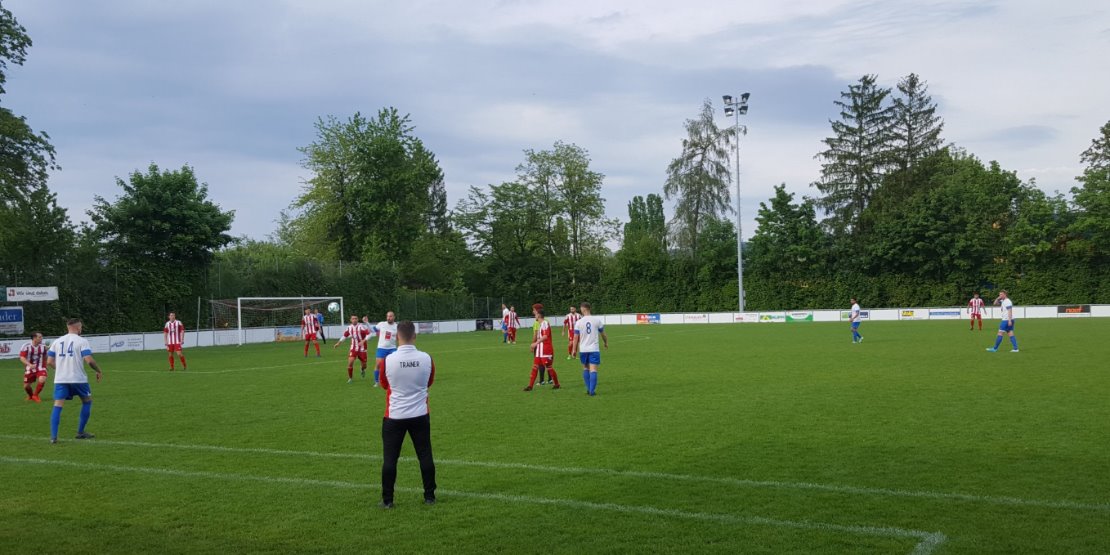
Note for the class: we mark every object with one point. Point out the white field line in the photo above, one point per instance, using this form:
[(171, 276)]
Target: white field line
[(927, 541), (736, 482)]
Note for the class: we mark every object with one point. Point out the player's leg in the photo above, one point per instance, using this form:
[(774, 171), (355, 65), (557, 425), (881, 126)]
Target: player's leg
[(317, 343), (86, 411), (593, 377), (998, 338), (420, 430), (362, 359), (535, 370), (379, 366), (181, 355), (584, 358), (61, 393), (27, 386), (169, 352), (543, 372), (550, 363), (38, 389), (393, 435), (350, 368), (980, 322), (1013, 339), (306, 342)]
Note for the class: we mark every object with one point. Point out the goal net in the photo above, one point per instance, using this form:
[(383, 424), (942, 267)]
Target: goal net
[(265, 319)]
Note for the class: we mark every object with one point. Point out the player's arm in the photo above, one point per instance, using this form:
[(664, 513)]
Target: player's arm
[(577, 339), (342, 337), (432, 376), (92, 364), (50, 360), (604, 338), (23, 359)]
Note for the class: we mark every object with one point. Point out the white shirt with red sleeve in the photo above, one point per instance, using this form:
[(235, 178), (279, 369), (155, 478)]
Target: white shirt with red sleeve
[(358, 334), (174, 332), (544, 348), (408, 375), (975, 306), (35, 355)]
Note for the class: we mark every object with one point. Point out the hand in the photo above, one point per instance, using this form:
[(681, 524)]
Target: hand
[(98, 374)]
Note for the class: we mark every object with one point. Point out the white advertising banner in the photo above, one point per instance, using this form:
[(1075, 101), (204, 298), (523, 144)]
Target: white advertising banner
[(9, 348), (11, 320), (945, 314), (695, 318), (127, 343), (24, 294), (100, 343)]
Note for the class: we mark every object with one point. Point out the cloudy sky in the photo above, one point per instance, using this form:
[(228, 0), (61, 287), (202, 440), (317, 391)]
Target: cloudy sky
[(233, 88)]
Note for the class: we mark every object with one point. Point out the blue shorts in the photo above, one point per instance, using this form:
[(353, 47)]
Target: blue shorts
[(855, 325), (68, 391), (590, 358), (1006, 326), (382, 353)]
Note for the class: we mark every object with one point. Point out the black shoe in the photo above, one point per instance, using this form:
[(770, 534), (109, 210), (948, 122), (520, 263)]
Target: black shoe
[(84, 435), (386, 505), (53, 440), (430, 501), (529, 388)]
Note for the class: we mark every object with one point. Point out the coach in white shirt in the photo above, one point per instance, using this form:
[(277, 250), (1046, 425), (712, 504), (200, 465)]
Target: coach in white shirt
[(408, 375)]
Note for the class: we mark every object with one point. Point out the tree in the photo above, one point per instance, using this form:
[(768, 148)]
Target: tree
[(35, 237), (646, 221), (916, 128), (788, 242), (1092, 198), (25, 155), (504, 227), (699, 177), (162, 217), (566, 188), (856, 155), (439, 221)]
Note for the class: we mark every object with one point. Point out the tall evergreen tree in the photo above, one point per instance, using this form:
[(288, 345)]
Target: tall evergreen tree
[(699, 178), (916, 128), (857, 155)]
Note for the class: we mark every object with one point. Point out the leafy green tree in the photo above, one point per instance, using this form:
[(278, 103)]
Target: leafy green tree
[(505, 227), (916, 127), (857, 154), (35, 238), (698, 178), (1092, 199), (25, 155), (788, 243)]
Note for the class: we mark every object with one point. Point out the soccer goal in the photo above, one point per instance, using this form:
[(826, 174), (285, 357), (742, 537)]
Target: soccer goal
[(263, 319)]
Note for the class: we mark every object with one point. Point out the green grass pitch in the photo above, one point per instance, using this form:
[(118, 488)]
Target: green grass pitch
[(729, 439)]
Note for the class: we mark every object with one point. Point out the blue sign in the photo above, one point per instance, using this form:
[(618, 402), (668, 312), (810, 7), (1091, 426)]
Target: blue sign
[(11, 320)]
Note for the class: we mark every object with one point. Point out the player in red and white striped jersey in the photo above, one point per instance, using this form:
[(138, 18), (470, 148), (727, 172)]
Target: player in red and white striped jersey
[(514, 323), (310, 326), (975, 309), (174, 335), (542, 350), (568, 330), (33, 357), (358, 334)]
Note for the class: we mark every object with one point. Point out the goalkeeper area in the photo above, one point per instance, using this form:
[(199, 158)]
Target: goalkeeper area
[(701, 439), (262, 319)]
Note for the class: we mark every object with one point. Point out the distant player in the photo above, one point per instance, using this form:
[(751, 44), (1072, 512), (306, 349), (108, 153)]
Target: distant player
[(174, 335), (387, 343), (320, 319), (543, 351), (587, 331), (310, 326), (358, 334), (535, 337), (514, 324), (854, 318), (568, 330), (68, 355), (504, 323), (1006, 327), (33, 357), (975, 309)]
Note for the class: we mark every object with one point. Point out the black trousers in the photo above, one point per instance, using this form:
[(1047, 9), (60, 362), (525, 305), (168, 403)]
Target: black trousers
[(393, 436)]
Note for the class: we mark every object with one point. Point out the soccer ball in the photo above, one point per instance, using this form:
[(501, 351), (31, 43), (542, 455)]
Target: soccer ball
[(333, 307)]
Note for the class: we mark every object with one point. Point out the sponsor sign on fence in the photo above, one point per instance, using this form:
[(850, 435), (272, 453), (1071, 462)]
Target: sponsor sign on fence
[(290, 333), (649, 318), (127, 343), (695, 318), (1074, 310), (847, 314), (11, 320), (425, 327), (9, 348), (774, 317), (913, 314), (24, 294), (944, 315), (799, 316)]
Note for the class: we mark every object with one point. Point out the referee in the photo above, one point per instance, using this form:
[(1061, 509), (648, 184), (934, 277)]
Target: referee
[(408, 375)]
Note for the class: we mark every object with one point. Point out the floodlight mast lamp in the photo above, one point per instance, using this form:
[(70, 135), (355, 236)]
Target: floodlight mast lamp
[(735, 108)]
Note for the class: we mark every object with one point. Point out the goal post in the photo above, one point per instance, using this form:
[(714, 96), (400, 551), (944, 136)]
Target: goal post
[(233, 318)]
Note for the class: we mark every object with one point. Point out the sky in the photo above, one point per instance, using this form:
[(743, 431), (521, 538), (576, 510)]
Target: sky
[(234, 88)]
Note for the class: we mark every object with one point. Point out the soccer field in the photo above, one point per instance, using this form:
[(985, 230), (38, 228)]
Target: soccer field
[(727, 439)]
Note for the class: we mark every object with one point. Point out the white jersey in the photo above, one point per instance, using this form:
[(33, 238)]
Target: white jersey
[(408, 375), (69, 352), (855, 312), (387, 335), (1007, 309), (588, 330)]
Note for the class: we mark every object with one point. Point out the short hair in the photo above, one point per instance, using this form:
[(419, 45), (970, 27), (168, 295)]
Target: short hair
[(1004, 291), (73, 321), (406, 331), (540, 312), (35, 334), (537, 306), (586, 305)]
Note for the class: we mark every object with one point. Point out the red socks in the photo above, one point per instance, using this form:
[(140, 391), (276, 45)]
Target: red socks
[(27, 388), (350, 371), (551, 375), (39, 388), (306, 348), (317, 349), (171, 362), (182, 362), (532, 379)]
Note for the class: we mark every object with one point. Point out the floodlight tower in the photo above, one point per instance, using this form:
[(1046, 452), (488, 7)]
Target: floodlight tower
[(735, 108)]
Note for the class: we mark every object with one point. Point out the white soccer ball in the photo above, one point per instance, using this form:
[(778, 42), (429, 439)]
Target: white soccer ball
[(333, 307)]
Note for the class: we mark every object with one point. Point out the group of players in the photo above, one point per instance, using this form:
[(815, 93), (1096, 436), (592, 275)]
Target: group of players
[(358, 333), (974, 309), (585, 335)]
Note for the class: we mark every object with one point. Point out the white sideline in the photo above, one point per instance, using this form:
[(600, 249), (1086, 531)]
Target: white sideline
[(739, 482), (927, 541)]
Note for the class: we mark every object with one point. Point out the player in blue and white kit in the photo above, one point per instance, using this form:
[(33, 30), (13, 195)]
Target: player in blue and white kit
[(1006, 327), (587, 331), (854, 318), (68, 355), (387, 343)]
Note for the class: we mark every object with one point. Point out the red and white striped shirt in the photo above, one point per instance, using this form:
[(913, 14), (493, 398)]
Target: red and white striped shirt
[(35, 355), (975, 306), (174, 332), (569, 322), (358, 334), (309, 324), (543, 341), (514, 322)]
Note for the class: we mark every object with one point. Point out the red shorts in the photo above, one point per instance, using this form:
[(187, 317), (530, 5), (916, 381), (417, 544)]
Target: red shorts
[(310, 337), (361, 356), (32, 377), (542, 361), (173, 348), (974, 316)]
